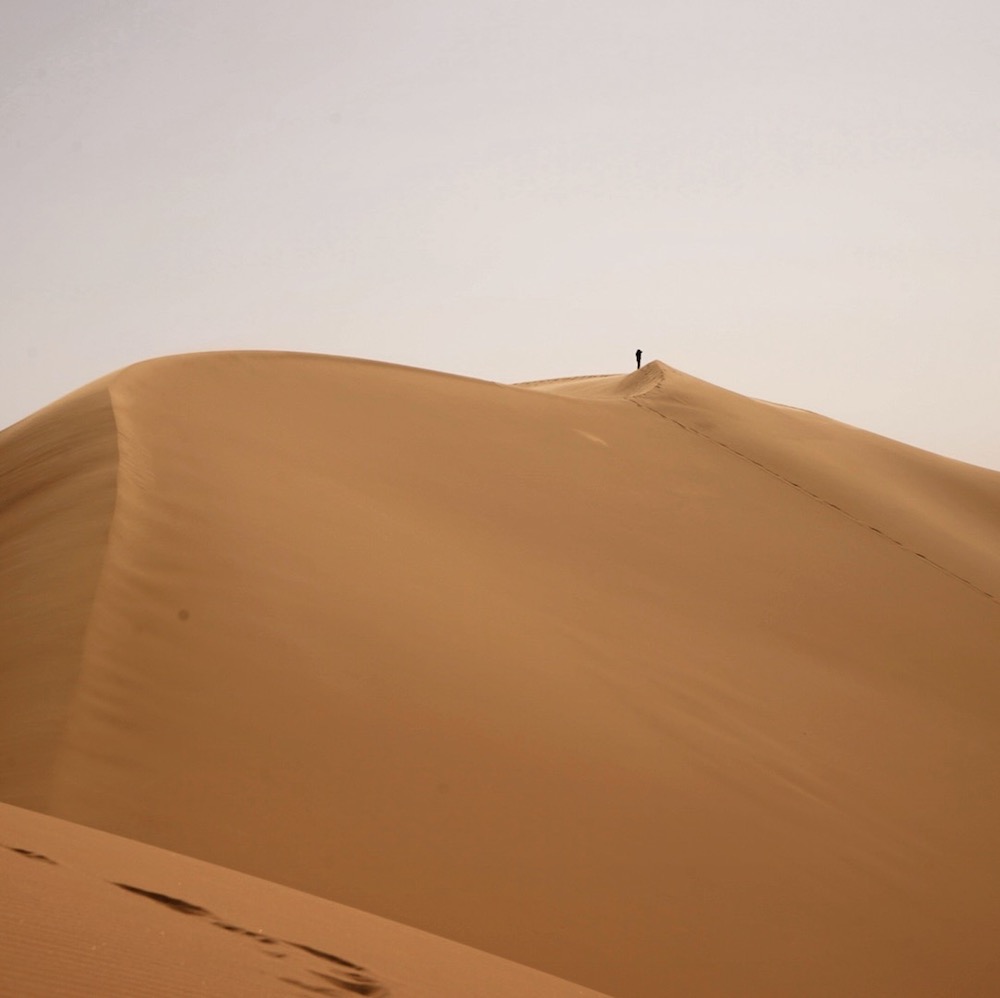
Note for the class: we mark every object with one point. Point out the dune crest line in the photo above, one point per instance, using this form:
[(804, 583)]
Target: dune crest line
[(636, 398)]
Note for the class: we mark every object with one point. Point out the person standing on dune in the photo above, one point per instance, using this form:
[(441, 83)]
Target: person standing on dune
[(638, 359)]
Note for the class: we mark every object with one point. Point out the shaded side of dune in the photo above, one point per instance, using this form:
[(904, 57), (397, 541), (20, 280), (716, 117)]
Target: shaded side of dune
[(57, 494)]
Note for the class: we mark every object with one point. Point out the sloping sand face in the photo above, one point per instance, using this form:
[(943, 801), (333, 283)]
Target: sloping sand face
[(85, 913), (653, 687), (57, 491)]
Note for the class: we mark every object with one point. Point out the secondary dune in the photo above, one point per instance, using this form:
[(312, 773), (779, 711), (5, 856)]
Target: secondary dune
[(86, 913), (653, 687)]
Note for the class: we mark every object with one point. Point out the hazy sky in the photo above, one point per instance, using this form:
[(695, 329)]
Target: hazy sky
[(799, 201)]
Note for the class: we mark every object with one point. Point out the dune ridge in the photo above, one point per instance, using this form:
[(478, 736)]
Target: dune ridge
[(648, 685), (884, 469), (58, 486)]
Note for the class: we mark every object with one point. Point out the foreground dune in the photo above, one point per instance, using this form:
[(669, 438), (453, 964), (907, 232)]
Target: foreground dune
[(87, 913), (650, 686)]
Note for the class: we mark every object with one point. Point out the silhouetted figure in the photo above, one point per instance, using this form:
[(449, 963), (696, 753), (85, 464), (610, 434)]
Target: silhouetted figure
[(638, 359)]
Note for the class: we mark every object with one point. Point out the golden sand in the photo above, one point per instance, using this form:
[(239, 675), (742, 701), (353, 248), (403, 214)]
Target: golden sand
[(650, 686)]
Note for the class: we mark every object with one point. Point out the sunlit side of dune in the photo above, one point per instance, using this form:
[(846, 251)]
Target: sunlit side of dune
[(653, 687)]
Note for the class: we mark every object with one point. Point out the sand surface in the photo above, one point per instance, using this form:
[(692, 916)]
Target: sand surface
[(87, 913), (647, 685)]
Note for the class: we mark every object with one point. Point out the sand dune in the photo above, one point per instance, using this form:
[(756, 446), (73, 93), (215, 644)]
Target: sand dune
[(87, 913), (647, 685)]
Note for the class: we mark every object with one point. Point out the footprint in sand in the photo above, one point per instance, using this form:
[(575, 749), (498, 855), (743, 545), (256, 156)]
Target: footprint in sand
[(340, 976)]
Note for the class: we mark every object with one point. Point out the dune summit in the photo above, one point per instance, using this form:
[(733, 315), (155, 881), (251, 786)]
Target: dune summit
[(647, 685)]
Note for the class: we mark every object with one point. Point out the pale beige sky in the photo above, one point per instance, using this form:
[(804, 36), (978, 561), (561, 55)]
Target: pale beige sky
[(795, 201)]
